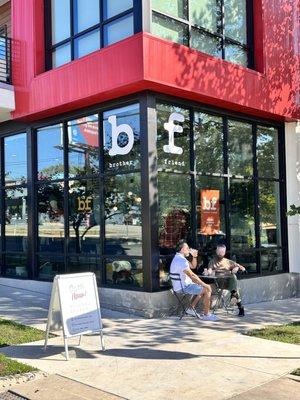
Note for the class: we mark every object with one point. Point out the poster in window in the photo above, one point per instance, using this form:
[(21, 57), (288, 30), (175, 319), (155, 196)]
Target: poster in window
[(210, 212)]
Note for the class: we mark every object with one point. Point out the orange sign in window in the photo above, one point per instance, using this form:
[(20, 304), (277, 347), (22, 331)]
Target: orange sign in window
[(210, 212)]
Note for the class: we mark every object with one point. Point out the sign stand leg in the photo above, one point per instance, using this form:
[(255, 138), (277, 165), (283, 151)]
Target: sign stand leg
[(102, 340), (66, 348), (47, 335)]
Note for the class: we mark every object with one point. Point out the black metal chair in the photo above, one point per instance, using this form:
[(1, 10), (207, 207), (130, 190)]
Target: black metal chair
[(184, 299), (221, 298)]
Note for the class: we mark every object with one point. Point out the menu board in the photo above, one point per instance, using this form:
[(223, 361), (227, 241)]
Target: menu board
[(74, 307), (79, 304)]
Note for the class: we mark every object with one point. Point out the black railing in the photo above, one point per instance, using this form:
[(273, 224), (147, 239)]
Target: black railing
[(5, 60)]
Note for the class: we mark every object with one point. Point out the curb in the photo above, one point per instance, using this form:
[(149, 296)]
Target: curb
[(293, 377), (6, 382)]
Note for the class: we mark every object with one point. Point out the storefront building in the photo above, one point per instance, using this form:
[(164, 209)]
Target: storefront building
[(139, 123)]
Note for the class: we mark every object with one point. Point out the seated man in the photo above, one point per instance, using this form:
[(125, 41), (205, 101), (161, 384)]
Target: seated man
[(225, 267), (190, 282)]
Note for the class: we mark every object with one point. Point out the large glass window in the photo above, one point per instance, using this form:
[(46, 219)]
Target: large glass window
[(267, 152), (15, 151), (208, 26), (16, 219), (121, 139), (123, 224), (128, 272), (240, 148), (174, 210), (88, 196), (269, 209), (50, 153), (83, 146), (242, 221), (210, 208), (15, 212), (51, 216), (229, 193), (208, 130), (84, 217), (78, 29), (173, 130)]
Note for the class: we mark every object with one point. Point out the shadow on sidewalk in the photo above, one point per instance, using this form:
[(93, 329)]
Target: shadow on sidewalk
[(37, 352), (149, 354)]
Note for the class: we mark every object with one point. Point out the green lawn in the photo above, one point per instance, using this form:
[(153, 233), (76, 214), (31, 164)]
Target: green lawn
[(13, 333), (289, 333), (11, 367)]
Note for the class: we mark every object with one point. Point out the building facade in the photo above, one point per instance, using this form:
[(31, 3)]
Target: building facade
[(126, 126)]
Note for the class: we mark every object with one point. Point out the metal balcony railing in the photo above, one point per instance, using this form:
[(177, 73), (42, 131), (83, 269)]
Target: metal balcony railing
[(5, 60)]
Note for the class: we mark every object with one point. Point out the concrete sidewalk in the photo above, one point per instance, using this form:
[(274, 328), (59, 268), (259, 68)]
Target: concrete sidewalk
[(162, 358)]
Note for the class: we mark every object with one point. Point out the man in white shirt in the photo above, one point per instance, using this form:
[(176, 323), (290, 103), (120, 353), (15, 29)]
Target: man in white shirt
[(189, 282)]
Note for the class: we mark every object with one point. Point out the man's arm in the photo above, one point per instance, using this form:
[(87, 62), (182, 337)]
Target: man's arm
[(195, 278), (194, 262), (234, 265)]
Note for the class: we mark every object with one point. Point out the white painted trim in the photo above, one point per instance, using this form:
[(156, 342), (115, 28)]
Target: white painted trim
[(292, 144)]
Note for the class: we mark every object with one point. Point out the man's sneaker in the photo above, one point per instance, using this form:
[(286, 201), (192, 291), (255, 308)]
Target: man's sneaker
[(192, 312), (209, 317)]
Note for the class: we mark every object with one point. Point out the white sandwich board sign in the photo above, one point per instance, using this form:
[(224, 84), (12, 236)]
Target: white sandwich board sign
[(74, 307)]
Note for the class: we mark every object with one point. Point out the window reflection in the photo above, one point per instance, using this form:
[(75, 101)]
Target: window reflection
[(206, 43), (267, 152), (60, 13), (84, 217), (269, 210), (242, 214), (16, 219), (51, 232), (177, 8), (170, 29), (236, 20), (271, 261), (246, 257), (50, 152), (208, 143), (174, 202), (124, 272), (49, 266), (203, 24), (83, 144), (77, 26), (240, 144), (85, 16), (118, 30), (123, 225), (114, 7), (206, 13), (15, 152), (16, 265), (84, 264)]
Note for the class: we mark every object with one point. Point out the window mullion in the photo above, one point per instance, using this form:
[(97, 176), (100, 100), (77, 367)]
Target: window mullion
[(222, 27), (101, 15), (256, 198), (72, 28)]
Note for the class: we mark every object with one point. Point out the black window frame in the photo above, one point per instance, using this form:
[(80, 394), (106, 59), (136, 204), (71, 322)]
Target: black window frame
[(226, 176), (220, 35), (149, 172), (100, 177), (136, 11)]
